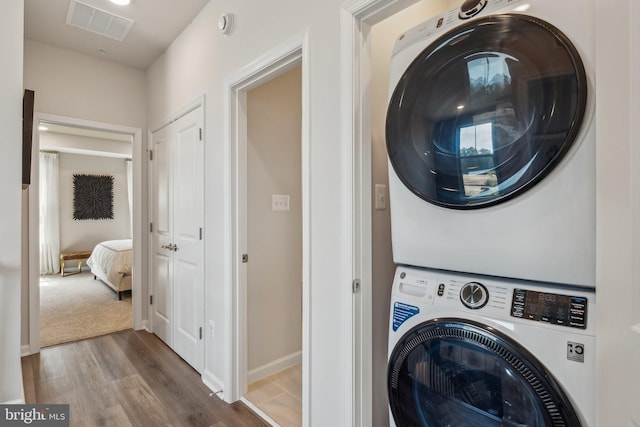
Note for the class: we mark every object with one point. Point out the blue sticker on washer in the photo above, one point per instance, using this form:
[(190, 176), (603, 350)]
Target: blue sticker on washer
[(402, 312)]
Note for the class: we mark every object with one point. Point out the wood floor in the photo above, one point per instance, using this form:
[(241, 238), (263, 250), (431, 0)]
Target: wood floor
[(129, 378)]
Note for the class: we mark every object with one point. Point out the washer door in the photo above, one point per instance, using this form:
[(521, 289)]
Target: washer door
[(453, 372), (486, 111)]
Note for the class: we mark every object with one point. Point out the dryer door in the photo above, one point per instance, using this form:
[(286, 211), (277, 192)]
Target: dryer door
[(486, 111), (453, 372)]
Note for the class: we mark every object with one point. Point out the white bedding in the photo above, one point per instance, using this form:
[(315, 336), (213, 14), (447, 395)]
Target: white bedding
[(111, 261)]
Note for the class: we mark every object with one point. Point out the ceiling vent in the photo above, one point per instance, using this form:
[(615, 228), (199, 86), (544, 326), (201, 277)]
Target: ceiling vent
[(86, 17)]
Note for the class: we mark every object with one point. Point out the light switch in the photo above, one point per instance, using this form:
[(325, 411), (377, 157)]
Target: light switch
[(279, 202), (381, 197)]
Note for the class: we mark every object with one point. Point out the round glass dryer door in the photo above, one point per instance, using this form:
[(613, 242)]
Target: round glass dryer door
[(486, 111), (453, 372)]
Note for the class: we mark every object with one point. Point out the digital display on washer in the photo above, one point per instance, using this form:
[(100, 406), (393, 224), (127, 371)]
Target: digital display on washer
[(564, 310)]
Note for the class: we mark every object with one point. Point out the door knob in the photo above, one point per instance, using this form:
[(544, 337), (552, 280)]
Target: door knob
[(166, 247)]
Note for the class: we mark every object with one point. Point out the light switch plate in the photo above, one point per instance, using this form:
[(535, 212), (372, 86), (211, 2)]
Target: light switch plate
[(381, 197), (279, 202)]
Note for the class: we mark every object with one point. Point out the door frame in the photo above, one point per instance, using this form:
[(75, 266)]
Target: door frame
[(356, 19), (34, 220), (292, 53)]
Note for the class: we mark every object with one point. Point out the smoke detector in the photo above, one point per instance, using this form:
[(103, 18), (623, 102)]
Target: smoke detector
[(98, 21)]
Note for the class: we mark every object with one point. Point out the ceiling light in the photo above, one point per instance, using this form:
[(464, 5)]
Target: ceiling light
[(43, 128), (121, 2)]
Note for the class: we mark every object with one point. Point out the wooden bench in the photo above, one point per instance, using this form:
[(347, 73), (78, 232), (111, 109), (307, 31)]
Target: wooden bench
[(70, 256)]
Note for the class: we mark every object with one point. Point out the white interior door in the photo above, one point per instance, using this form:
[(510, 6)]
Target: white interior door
[(188, 236), (177, 243), (162, 235)]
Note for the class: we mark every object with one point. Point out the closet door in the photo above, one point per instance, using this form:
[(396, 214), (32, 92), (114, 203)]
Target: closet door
[(162, 236), (188, 254), (178, 245)]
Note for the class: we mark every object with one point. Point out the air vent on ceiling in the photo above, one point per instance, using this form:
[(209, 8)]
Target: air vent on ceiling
[(98, 21)]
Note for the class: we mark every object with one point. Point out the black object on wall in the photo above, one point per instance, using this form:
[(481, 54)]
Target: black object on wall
[(92, 196), (27, 135)]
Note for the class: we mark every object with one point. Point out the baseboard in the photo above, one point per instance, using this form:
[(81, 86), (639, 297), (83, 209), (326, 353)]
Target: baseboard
[(213, 383), (25, 350), (146, 326), (275, 366)]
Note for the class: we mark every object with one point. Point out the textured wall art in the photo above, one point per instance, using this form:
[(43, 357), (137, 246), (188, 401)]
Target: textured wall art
[(92, 196)]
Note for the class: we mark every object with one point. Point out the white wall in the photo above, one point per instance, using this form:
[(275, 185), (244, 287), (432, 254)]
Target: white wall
[(50, 141), (83, 235), (82, 87), (274, 166), (200, 61), (11, 36), (617, 212), (383, 36)]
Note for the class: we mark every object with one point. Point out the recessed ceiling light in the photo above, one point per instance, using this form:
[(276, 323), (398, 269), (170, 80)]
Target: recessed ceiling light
[(121, 2), (43, 128)]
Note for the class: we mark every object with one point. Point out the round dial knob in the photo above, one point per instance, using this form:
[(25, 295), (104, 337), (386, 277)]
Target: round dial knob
[(471, 8), (474, 295)]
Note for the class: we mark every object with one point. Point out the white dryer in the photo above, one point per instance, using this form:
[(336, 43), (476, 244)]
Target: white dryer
[(491, 142), (480, 351)]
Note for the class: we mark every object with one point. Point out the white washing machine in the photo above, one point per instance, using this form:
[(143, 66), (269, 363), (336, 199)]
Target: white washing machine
[(480, 351), (491, 142)]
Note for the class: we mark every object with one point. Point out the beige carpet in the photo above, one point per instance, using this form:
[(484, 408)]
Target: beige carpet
[(78, 307)]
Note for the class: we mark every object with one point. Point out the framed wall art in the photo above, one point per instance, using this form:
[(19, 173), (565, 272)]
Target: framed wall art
[(92, 197)]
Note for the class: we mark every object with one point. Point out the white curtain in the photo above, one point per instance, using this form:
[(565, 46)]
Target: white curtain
[(130, 194), (49, 214)]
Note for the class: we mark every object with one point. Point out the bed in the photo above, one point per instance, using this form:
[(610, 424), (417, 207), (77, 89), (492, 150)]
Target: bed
[(111, 262)]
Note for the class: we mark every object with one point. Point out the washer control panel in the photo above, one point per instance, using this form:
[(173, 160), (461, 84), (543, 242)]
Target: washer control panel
[(557, 309), (497, 298)]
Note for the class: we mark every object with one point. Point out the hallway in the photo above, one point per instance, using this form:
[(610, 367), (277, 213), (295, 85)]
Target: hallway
[(128, 378)]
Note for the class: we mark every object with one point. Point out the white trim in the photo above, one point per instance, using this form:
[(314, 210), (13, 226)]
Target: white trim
[(25, 350), (183, 111), (214, 383), (266, 418), (274, 367), (138, 226), (277, 61), (356, 19), (14, 402)]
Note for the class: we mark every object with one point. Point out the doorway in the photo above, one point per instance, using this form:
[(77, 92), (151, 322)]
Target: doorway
[(274, 248), (286, 57), (134, 227)]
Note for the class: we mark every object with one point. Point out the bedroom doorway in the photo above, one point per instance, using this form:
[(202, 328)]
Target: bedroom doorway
[(84, 152)]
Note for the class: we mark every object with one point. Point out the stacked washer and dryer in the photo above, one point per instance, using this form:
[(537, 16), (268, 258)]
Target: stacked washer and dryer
[(491, 145)]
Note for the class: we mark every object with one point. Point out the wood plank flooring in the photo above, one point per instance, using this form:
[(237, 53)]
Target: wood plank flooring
[(129, 378)]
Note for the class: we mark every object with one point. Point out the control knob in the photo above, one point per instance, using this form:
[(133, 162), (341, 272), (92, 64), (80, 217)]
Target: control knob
[(474, 295), (471, 8)]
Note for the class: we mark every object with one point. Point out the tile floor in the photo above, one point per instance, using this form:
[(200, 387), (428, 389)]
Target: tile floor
[(280, 396)]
